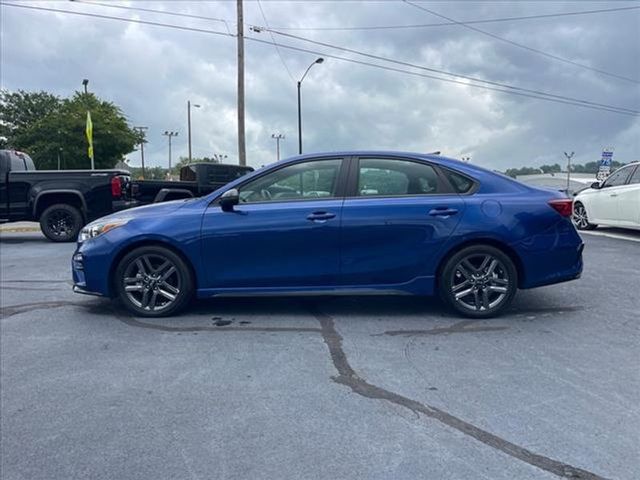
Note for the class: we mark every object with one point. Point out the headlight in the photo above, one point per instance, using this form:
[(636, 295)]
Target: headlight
[(99, 227)]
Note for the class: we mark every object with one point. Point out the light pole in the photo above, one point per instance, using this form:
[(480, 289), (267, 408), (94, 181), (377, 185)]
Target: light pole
[(569, 156), (278, 137), (142, 140), (219, 157), (170, 135), (189, 124), (318, 60)]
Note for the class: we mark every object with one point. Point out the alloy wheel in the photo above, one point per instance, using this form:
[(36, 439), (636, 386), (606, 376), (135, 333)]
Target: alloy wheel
[(580, 217), (152, 282), (480, 282), (61, 223)]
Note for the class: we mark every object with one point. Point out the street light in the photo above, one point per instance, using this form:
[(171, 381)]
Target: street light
[(189, 124), (318, 60), (277, 137), (170, 134)]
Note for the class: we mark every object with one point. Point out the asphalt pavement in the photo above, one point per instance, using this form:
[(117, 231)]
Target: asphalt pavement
[(322, 387)]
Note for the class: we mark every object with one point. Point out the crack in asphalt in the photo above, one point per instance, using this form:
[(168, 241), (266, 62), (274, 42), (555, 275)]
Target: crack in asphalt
[(6, 312), (347, 376), (460, 327), (132, 322)]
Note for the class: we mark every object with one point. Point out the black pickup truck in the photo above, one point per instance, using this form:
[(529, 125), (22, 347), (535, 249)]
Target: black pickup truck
[(196, 180), (63, 201)]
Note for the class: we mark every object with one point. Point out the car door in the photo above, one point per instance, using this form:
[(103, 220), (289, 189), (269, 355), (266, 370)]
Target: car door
[(604, 204), (284, 233), (395, 218), (629, 201)]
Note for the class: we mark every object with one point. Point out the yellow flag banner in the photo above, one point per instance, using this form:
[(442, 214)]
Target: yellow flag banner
[(89, 132)]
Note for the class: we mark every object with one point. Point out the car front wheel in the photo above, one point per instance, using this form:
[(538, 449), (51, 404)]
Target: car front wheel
[(581, 219), (153, 281), (479, 281)]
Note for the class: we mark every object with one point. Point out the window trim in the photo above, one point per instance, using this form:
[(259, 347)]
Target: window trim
[(443, 182), (340, 187)]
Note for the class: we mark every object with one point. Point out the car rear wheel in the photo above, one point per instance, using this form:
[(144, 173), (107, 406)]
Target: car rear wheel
[(61, 222), (479, 281), (153, 281), (581, 219)]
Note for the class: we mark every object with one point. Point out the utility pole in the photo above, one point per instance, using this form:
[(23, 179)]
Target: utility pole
[(242, 154), (569, 157), (189, 124), (170, 134), (142, 140), (278, 137)]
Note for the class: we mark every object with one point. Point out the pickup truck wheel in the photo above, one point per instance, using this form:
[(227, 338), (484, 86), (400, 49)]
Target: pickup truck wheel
[(153, 281), (61, 223)]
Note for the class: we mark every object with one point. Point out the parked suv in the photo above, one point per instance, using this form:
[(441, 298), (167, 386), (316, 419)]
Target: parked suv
[(63, 201)]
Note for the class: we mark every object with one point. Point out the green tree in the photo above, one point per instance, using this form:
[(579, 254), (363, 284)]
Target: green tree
[(19, 110), (513, 172), (555, 168), (62, 130)]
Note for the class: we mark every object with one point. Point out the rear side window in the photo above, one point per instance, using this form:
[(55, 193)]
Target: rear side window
[(635, 178), (392, 177), (17, 163), (460, 183)]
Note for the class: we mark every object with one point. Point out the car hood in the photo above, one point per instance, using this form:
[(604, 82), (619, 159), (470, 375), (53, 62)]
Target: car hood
[(153, 210)]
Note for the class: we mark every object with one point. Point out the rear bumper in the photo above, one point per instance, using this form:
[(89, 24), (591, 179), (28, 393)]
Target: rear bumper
[(552, 257)]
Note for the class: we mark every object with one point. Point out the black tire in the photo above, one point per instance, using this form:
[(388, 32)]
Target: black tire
[(61, 222), (486, 278), (581, 219), (146, 279)]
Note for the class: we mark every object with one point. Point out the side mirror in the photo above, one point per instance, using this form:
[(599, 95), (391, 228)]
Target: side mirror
[(229, 199), (595, 185)]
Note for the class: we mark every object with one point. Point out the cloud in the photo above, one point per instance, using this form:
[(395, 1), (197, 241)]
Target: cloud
[(151, 72)]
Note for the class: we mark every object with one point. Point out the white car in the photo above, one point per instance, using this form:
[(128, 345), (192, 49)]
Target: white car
[(614, 203)]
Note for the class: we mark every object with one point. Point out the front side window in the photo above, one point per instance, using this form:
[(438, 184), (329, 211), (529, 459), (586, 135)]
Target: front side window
[(390, 177), (301, 181), (617, 178)]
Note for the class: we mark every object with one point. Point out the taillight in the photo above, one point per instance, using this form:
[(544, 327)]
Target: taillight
[(116, 187), (564, 206)]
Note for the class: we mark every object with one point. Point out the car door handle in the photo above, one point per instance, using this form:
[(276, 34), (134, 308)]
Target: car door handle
[(320, 216), (442, 212), (613, 195)]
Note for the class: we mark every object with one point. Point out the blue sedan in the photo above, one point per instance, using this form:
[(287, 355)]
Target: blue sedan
[(338, 223)]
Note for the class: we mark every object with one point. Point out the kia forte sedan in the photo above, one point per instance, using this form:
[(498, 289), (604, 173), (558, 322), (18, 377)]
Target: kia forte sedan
[(338, 223)]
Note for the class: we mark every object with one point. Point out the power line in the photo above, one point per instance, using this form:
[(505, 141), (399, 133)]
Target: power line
[(448, 80), (266, 22), (109, 17), (163, 12), (376, 27), (466, 22), (451, 22), (520, 45), (541, 95), (444, 72)]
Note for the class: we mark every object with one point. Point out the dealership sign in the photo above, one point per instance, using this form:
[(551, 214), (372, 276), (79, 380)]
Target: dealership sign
[(605, 164)]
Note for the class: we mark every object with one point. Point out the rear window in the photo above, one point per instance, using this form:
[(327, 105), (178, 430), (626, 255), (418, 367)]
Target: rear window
[(460, 183)]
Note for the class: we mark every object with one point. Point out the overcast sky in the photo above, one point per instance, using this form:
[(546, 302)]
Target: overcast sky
[(151, 72)]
